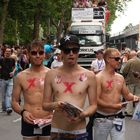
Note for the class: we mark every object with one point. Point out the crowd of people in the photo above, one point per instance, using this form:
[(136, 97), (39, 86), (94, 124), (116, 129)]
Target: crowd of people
[(14, 59), (89, 3), (100, 4), (44, 87)]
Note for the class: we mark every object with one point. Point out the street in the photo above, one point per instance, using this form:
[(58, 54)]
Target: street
[(10, 128)]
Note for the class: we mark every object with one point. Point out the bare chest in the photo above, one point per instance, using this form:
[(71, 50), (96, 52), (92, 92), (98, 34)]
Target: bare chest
[(76, 85), (111, 85), (33, 84)]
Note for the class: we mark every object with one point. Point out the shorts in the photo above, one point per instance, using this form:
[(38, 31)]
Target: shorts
[(30, 130)]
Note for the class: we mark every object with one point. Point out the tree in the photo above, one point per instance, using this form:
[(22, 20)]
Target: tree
[(114, 6), (3, 18), (24, 18)]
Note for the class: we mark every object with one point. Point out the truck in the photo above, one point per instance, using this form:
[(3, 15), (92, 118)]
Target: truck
[(89, 26)]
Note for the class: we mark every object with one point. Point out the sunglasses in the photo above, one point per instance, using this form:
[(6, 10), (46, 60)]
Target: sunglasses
[(115, 58), (68, 50), (37, 52)]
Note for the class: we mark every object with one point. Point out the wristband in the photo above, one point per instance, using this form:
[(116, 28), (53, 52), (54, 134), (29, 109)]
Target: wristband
[(22, 111)]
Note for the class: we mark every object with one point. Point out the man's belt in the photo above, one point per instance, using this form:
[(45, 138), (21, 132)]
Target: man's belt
[(117, 115), (67, 135)]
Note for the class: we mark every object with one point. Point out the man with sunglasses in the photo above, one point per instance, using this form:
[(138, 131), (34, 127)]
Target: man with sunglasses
[(111, 88), (69, 83), (30, 83)]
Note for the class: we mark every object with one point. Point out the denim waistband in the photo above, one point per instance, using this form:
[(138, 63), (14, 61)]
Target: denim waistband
[(117, 115)]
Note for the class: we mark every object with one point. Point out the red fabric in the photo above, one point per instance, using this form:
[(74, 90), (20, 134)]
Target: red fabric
[(107, 15)]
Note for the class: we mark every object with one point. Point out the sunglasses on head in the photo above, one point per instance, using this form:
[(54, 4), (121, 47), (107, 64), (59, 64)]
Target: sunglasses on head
[(115, 58), (68, 50), (37, 52)]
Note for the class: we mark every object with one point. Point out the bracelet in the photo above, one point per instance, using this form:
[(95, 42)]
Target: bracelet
[(22, 111)]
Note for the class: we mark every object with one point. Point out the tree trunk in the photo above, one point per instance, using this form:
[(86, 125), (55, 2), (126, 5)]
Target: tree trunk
[(36, 26), (3, 19), (59, 28), (37, 17)]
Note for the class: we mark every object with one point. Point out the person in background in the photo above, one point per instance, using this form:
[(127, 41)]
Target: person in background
[(138, 54), (124, 59), (98, 64), (18, 67), (23, 58), (133, 83), (49, 57), (111, 87), (7, 69), (30, 84), (82, 3), (102, 3), (69, 83), (94, 3), (58, 59)]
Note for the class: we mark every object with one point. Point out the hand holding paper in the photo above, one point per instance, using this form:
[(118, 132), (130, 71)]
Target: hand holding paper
[(72, 110)]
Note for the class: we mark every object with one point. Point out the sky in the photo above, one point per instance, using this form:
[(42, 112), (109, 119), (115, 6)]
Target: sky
[(130, 15)]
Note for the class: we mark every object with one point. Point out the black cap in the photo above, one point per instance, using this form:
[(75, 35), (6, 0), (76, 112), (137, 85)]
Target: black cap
[(68, 39)]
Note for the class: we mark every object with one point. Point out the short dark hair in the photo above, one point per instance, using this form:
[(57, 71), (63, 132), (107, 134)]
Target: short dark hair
[(36, 43)]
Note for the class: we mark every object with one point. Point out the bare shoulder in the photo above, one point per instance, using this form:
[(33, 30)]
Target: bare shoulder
[(89, 74), (25, 74), (20, 77), (100, 75), (119, 76), (51, 73), (22, 73), (45, 69)]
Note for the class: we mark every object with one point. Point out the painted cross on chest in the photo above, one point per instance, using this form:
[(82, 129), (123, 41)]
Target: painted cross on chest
[(68, 86), (31, 83), (109, 84)]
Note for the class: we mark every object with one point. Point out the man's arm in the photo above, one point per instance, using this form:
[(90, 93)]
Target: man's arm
[(48, 103), (16, 95), (91, 109)]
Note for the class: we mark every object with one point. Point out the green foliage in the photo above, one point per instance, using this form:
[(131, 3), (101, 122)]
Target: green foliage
[(115, 5), (20, 19), (9, 36)]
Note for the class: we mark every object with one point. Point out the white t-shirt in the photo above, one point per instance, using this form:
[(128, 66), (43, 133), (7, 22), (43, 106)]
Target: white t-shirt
[(56, 64), (98, 65)]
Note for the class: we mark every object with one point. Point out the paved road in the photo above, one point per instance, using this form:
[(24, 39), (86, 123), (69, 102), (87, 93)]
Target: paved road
[(10, 128)]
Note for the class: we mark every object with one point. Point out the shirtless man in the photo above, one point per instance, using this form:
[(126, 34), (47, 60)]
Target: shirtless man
[(30, 82), (70, 83), (111, 88)]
